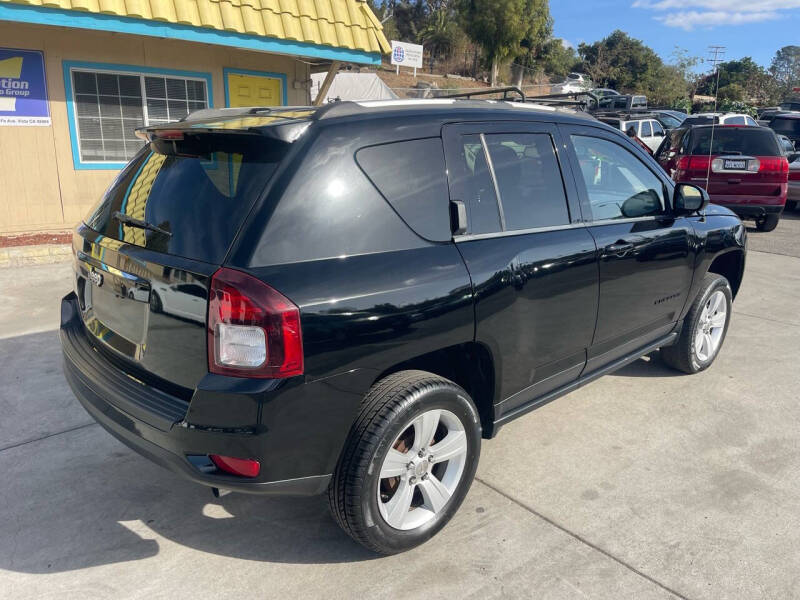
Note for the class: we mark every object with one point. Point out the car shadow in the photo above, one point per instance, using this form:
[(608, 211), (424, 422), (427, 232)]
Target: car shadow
[(126, 508), (650, 365), (74, 497)]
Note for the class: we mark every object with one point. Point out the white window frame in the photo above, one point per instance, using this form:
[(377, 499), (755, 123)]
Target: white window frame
[(141, 73)]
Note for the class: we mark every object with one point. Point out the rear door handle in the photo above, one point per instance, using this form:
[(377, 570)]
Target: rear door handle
[(621, 248)]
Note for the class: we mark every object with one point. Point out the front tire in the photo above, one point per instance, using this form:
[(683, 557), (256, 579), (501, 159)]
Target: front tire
[(767, 222), (408, 463), (704, 327)]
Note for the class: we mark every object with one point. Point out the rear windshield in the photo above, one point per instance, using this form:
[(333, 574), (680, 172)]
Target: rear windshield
[(786, 125), (196, 200), (750, 141)]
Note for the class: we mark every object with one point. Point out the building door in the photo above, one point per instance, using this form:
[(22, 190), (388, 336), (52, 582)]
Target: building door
[(247, 89)]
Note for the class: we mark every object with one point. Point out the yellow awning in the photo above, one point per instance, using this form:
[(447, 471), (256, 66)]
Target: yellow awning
[(342, 24)]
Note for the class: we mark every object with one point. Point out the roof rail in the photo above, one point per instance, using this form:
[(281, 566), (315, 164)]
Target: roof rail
[(491, 90), (634, 113), (206, 114), (584, 99)]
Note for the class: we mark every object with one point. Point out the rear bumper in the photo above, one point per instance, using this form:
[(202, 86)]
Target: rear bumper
[(296, 430), (751, 210)]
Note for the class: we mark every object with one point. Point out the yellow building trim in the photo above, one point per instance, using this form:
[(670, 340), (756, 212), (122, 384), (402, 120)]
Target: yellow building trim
[(346, 24)]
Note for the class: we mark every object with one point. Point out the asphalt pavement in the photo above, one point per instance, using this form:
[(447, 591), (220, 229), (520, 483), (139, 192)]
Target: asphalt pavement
[(644, 484)]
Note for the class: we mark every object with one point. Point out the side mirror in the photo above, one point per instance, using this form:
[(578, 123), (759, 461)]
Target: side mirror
[(793, 156), (690, 198), (458, 217)]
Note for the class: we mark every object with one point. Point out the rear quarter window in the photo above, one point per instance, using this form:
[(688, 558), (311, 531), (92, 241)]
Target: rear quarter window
[(411, 176)]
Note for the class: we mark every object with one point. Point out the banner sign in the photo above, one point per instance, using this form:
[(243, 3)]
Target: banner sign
[(23, 89), (406, 55)]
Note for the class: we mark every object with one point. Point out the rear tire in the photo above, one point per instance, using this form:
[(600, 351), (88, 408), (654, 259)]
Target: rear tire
[(704, 327), (155, 303), (767, 222), (383, 502)]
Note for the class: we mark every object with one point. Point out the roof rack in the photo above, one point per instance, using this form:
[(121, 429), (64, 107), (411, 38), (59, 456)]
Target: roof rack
[(487, 91), (634, 113)]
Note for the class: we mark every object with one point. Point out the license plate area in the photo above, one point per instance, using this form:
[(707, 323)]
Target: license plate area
[(115, 305), (734, 164)]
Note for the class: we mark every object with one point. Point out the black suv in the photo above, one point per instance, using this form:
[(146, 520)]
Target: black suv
[(347, 299)]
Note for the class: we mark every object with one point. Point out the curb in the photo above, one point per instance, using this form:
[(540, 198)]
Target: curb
[(45, 254)]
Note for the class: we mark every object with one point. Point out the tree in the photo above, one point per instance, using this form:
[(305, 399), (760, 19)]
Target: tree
[(499, 27), (741, 80), (785, 68), (440, 34), (686, 64), (627, 65), (557, 59)]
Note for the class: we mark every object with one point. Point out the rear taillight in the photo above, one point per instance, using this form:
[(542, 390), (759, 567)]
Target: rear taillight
[(794, 175), (253, 330), (773, 164), (694, 163)]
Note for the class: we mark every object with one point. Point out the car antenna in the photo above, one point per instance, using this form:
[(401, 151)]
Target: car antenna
[(718, 52)]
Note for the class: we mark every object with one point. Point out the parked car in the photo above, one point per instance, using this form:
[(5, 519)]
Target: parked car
[(604, 92), (647, 129), (575, 82), (791, 105), (793, 195), (720, 119), (787, 145), (387, 284), (787, 124), (670, 119), (744, 169), (622, 102)]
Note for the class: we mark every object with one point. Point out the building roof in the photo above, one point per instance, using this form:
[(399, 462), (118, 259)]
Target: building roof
[(335, 24)]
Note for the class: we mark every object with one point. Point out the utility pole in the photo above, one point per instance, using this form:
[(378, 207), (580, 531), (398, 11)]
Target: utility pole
[(716, 53)]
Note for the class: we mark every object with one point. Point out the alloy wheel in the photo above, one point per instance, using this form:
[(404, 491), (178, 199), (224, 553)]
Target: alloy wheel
[(711, 326), (422, 469)]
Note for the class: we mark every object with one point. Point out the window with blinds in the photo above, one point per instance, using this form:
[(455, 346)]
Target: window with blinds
[(110, 106)]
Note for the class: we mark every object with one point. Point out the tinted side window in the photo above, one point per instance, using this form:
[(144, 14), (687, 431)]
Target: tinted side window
[(734, 121), (472, 184), (411, 176), (618, 184), (646, 130), (529, 180)]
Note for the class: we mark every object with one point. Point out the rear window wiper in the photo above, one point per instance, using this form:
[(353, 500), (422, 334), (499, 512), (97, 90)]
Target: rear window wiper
[(134, 222)]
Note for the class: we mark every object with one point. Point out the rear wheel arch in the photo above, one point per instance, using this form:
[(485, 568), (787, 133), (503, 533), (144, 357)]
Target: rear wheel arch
[(469, 365), (731, 266)]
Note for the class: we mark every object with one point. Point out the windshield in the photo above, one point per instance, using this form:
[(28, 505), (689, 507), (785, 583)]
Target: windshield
[(786, 125), (735, 140), (197, 201)]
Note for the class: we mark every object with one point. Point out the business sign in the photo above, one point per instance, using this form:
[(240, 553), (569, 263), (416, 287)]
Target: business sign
[(23, 89), (406, 55)]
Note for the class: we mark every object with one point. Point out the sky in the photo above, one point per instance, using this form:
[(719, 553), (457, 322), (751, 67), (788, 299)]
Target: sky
[(755, 28)]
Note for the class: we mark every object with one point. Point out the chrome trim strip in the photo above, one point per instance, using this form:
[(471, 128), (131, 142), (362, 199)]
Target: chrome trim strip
[(499, 234)]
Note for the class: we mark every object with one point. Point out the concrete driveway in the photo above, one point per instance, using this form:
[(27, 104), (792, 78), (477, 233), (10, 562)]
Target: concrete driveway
[(645, 484)]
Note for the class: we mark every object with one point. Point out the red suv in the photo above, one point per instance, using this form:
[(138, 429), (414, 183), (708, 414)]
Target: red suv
[(742, 168)]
